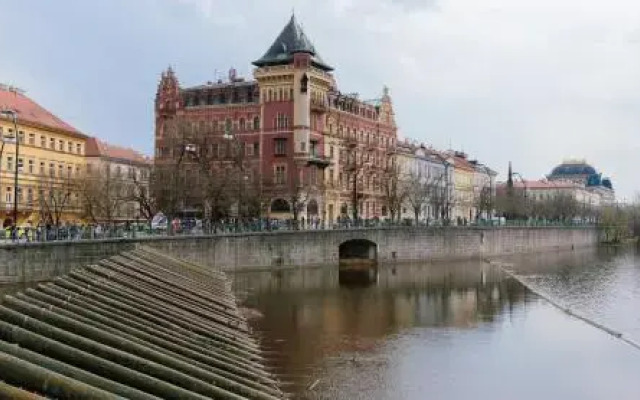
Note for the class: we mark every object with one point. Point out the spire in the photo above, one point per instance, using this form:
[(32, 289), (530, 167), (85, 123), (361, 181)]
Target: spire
[(291, 40), (510, 177)]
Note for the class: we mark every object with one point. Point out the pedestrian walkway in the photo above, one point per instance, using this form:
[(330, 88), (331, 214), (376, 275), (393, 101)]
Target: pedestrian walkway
[(139, 325)]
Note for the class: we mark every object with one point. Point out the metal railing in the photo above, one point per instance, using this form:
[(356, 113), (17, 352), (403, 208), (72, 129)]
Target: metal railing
[(145, 230)]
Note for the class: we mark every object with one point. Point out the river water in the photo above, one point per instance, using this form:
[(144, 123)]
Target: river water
[(454, 330)]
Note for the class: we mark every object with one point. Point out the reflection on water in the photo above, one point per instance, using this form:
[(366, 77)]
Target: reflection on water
[(443, 331)]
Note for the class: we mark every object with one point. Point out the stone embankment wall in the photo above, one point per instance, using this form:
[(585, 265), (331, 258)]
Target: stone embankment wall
[(42, 261)]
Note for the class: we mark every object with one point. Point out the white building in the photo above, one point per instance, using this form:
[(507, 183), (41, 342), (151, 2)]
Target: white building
[(484, 190), (428, 178), (107, 163)]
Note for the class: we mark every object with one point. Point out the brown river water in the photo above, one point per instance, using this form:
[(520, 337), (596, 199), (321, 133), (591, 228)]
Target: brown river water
[(453, 330)]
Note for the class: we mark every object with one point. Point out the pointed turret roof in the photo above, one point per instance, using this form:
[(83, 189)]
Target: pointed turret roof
[(291, 40)]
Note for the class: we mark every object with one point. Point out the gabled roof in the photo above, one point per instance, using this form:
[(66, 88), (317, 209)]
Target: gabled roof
[(30, 112), (291, 40), (97, 148)]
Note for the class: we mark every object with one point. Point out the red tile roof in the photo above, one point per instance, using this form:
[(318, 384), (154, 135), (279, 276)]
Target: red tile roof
[(97, 148), (463, 164), (30, 112)]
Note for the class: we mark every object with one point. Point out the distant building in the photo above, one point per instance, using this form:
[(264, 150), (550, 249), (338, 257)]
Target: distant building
[(294, 128), (51, 157), (573, 179), (464, 196), (429, 175), (484, 190), (580, 172), (126, 171)]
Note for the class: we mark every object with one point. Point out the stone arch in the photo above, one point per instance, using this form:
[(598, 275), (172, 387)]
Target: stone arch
[(280, 206), (363, 249)]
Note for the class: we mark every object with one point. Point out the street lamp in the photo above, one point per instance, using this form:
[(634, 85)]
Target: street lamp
[(14, 116)]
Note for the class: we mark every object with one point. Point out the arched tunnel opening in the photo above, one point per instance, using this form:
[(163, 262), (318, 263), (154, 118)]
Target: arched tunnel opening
[(358, 262)]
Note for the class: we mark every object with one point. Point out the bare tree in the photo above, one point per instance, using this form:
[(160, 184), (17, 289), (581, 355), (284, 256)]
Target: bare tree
[(483, 201), (55, 198), (140, 194), (103, 195), (417, 194), (440, 197), (394, 189)]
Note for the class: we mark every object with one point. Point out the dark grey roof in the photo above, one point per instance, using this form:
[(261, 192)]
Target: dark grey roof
[(291, 40)]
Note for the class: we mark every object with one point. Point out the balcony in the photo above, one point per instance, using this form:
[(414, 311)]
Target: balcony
[(319, 105), (319, 161)]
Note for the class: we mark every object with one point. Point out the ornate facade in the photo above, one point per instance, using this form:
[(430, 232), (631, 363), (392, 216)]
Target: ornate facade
[(296, 130)]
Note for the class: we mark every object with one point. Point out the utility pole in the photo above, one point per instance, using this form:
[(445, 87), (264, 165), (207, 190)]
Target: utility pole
[(14, 116)]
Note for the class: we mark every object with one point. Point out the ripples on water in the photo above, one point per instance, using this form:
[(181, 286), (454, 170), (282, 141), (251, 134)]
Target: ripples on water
[(602, 284), (449, 331)]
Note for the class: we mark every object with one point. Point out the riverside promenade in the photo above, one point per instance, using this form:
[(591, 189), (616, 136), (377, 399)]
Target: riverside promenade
[(32, 262)]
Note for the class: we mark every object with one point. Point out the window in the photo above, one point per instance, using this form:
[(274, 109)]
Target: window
[(69, 171), (313, 176), (227, 125), (52, 170), (7, 197), (331, 151), (31, 166), (280, 176), (256, 148), (61, 145), (21, 137), (303, 146), (32, 139), (280, 147), (256, 123), (242, 125), (281, 121), (249, 149), (43, 141), (60, 170), (9, 163), (30, 196), (70, 147), (41, 168), (52, 143), (78, 148)]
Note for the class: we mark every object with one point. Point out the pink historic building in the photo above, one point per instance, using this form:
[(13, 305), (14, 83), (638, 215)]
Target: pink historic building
[(299, 131)]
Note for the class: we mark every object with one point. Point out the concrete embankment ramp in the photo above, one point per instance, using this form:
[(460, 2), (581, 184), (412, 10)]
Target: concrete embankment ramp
[(139, 325)]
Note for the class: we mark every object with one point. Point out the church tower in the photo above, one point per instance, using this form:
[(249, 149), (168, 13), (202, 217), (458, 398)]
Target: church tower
[(167, 102)]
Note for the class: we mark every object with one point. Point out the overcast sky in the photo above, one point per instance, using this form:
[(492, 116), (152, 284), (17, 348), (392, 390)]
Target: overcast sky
[(531, 81)]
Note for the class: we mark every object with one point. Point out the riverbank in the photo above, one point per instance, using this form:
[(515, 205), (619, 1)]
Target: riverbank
[(42, 261)]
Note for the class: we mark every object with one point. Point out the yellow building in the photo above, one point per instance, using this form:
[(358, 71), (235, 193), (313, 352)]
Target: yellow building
[(49, 161), (463, 175)]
